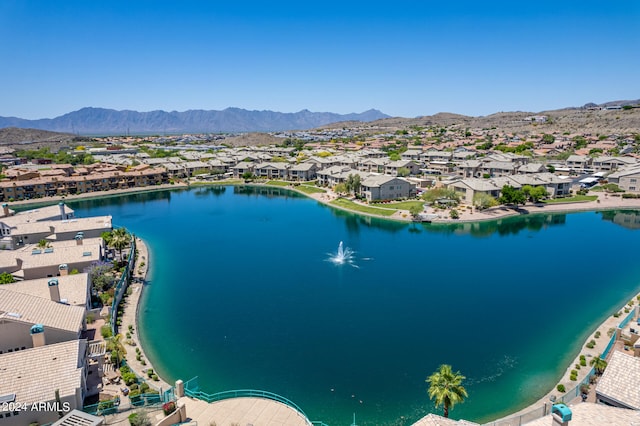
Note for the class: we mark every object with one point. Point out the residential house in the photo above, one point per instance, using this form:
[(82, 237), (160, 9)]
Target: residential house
[(555, 186), (393, 167), (272, 170), (44, 375), (303, 172), (468, 188), (605, 163), (19, 312), (619, 382), (579, 162), (241, 168), (627, 179), (383, 187)]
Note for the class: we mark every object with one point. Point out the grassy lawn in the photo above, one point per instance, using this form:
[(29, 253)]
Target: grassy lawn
[(217, 182), (277, 183), (574, 199), (310, 189), (403, 205), (346, 204)]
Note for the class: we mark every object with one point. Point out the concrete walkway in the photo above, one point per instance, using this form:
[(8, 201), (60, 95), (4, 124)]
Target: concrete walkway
[(243, 411), (130, 317)]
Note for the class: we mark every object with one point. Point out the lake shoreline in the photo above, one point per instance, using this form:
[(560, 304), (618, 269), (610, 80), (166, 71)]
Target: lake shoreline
[(604, 203)]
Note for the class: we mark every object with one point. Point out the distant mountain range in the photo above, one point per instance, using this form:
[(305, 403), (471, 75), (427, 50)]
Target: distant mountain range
[(101, 121)]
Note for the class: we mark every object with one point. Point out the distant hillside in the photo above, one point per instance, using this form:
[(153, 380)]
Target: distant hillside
[(573, 120), (14, 138), (100, 121)]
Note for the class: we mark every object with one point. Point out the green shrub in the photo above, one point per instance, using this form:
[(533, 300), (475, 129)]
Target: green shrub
[(144, 388), (143, 362), (560, 388), (155, 377), (105, 331), (583, 362), (129, 378), (591, 344), (574, 372), (617, 314), (597, 335), (133, 386), (573, 378), (125, 369), (577, 366), (150, 372)]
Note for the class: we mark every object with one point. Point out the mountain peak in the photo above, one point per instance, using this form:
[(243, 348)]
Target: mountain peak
[(94, 120)]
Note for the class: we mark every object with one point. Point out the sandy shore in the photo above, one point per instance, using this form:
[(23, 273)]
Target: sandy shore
[(130, 317)]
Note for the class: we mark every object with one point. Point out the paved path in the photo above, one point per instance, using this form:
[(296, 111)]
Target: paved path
[(243, 411), (130, 317)]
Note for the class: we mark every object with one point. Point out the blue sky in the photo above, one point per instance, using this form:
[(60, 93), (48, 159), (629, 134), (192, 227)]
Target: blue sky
[(405, 58)]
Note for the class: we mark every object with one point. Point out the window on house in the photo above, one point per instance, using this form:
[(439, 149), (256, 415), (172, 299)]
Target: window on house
[(632, 188), (633, 181)]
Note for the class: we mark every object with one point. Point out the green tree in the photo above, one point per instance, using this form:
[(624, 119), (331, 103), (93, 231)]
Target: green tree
[(340, 188), (353, 184), (551, 168), (510, 195), (247, 175), (579, 142), (546, 138), (415, 210), (434, 194), (534, 193), (120, 240), (139, 419), (115, 346), (101, 278), (599, 364), (43, 244), (445, 388), (6, 278), (403, 171), (483, 201)]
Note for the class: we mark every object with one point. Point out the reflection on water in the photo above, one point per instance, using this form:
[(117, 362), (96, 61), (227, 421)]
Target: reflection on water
[(121, 200), (267, 191), (503, 227), (215, 190), (627, 219)]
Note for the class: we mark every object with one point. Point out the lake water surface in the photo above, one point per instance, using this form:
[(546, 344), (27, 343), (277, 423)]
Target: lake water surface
[(243, 294)]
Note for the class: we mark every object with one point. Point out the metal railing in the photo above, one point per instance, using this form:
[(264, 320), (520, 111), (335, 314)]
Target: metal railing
[(122, 285), (627, 318), (113, 406), (192, 389)]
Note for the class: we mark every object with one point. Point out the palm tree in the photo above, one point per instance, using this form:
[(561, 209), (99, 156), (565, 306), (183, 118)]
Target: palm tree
[(446, 388), (115, 346), (599, 364), (119, 240)]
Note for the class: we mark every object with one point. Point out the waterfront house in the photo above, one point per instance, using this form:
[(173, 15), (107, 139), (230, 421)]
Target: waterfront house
[(303, 172), (44, 374), (73, 289), (627, 179), (242, 168), (472, 186), (272, 170), (384, 187), (620, 381), (19, 312)]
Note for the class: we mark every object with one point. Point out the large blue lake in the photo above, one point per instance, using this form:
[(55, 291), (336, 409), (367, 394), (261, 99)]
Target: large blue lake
[(242, 295)]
